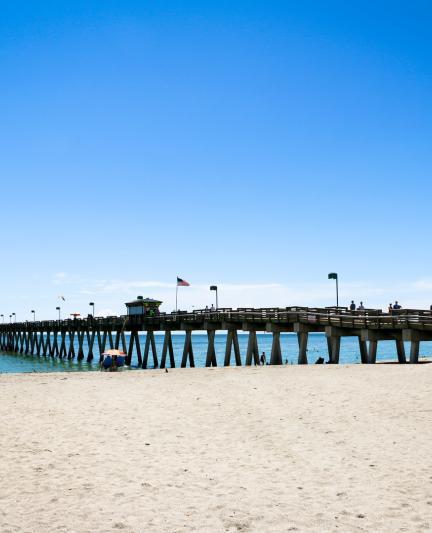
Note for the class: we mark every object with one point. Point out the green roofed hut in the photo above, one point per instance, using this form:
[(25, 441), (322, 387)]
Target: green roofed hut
[(143, 306)]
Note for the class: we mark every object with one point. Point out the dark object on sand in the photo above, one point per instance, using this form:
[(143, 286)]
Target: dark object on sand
[(319, 361)]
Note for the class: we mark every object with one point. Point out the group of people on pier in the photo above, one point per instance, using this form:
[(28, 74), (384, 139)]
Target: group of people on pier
[(353, 307), (392, 307)]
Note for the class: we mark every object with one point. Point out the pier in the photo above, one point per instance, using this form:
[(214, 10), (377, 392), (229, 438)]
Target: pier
[(65, 338)]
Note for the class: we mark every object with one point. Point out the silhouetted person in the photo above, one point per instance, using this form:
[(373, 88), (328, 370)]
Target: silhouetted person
[(352, 306)]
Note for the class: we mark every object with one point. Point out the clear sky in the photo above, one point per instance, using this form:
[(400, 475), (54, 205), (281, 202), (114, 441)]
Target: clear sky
[(257, 145)]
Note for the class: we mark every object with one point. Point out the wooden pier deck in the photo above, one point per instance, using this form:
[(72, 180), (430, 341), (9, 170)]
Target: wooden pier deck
[(59, 338)]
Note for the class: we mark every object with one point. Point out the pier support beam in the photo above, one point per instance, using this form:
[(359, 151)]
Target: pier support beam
[(110, 339), (252, 349), (150, 341), (48, 344), (188, 351), (400, 348), (277, 328), (90, 343), (167, 348), (335, 349), (81, 335), (211, 352), (101, 343), (54, 348), (232, 340), (373, 346), (415, 351), (334, 335), (303, 342), (303, 331), (363, 351), (63, 352), (134, 339), (415, 337), (71, 351), (276, 352), (329, 349)]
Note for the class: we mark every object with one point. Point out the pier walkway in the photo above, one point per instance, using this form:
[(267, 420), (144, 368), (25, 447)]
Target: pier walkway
[(65, 338)]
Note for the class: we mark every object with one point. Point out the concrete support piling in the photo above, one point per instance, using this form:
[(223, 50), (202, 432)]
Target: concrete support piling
[(276, 352), (231, 342), (188, 351), (167, 349), (252, 349)]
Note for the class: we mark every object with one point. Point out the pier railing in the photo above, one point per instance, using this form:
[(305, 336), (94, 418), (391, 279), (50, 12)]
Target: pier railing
[(58, 337), (370, 318)]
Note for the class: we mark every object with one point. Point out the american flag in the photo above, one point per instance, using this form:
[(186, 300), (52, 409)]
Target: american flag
[(182, 282)]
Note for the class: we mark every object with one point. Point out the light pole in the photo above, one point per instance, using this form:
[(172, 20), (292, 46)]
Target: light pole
[(214, 288), (14, 315), (58, 309), (92, 305), (10, 319), (34, 315), (2, 318), (333, 275)]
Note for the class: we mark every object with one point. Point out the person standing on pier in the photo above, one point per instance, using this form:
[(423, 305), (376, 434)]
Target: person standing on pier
[(390, 308), (360, 307), (396, 305), (352, 306)]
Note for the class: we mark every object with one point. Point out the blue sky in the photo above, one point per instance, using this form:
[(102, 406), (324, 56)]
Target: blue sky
[(255, 145)]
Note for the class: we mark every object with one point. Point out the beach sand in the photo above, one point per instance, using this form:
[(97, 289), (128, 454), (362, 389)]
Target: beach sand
[(318, 448)]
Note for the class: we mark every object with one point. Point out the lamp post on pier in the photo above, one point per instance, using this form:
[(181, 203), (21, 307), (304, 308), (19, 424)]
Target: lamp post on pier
[(2, 316), (14, 315), (214, 288), (58, 309), (34, 315), (92, 305), (333, 275), (10, 319)]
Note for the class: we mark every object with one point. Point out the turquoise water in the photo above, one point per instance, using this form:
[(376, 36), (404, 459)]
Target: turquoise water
[(317, 347)]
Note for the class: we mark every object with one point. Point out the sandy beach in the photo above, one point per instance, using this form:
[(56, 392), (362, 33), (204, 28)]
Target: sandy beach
[(270, 449)]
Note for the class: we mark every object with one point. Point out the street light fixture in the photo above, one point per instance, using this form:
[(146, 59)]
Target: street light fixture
[(214, 288), (34, 315), (14, 315), (333, 275), (92, 305), (10, 319), (58, 309), (2, 318)]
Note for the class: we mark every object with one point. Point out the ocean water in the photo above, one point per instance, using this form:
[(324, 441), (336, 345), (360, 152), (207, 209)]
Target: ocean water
[(317, 347)]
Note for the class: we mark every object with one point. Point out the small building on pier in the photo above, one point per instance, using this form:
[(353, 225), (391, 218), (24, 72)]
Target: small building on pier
[(143, 306)]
